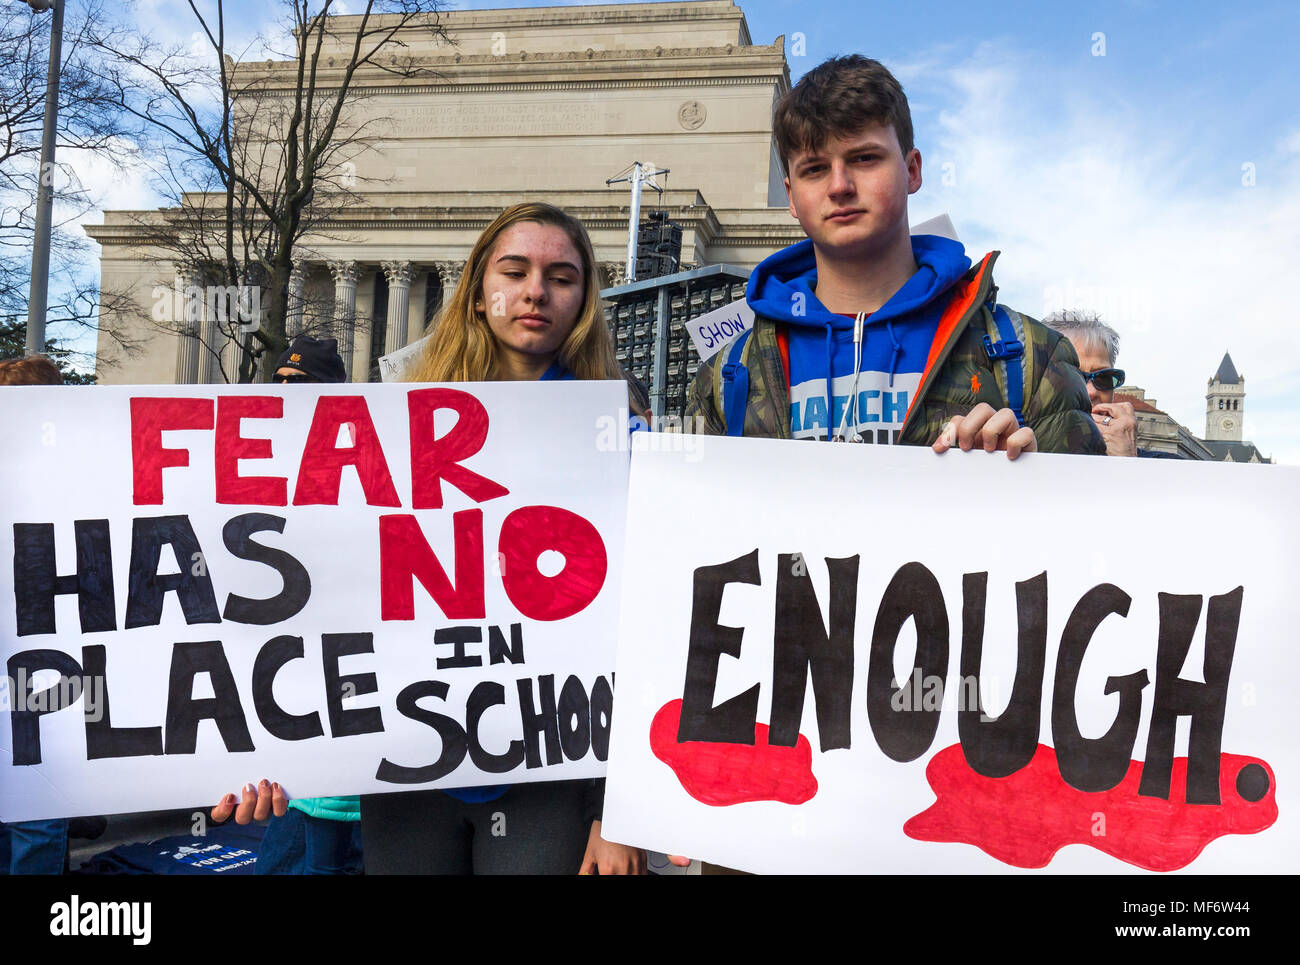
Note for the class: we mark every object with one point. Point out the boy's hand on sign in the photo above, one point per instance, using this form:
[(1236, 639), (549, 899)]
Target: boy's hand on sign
[(607, 858), (257, 804), (988, 430), (1118, 427)]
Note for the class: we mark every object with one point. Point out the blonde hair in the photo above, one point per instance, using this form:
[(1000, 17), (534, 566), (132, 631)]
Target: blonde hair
[(462, 347)]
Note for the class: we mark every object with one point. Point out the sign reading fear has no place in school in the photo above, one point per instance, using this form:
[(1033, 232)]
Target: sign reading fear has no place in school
[(881, 659), (341, 588)]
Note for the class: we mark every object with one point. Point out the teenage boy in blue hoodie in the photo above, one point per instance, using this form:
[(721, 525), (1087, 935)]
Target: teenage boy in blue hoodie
[(865, 333)]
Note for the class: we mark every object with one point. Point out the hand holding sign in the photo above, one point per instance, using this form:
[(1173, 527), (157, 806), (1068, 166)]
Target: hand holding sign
[(993, 431), (607, 858), (257, 804)]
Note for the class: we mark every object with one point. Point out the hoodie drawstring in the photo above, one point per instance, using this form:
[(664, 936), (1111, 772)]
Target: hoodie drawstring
[(852, 405), (893, 359)]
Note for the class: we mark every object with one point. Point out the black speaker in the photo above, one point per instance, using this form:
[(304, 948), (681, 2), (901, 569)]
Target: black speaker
[(658, 246)]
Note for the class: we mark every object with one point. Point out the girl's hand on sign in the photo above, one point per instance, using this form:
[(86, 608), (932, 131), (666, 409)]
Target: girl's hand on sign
[(257, 804), (606, 858), (991, 431)]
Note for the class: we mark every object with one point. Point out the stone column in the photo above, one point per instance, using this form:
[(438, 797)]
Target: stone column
[(294, 308), (188, 349), (345, 307), (213, 338), (253, 315), (232, 351), (449, 274), (399, 275)]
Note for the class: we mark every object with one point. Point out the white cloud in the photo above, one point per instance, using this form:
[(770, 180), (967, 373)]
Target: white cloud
[(199, 47), (111, 187), (166, 21), (1091, 205)]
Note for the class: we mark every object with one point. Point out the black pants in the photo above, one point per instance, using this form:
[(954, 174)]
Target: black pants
[(533, 829)]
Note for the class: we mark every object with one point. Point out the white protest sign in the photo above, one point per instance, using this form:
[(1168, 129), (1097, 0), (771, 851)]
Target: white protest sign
[(393, 366), (344, 588), (1097, 663), (940, 225), (710, 331)]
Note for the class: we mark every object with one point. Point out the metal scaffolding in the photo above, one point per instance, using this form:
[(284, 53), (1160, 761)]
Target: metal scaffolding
[(648, 321)]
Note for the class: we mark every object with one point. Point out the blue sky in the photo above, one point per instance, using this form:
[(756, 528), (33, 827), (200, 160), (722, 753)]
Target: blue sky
[(1138, 158)]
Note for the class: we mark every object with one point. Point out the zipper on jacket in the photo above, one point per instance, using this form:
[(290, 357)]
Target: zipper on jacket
[(976, 304)]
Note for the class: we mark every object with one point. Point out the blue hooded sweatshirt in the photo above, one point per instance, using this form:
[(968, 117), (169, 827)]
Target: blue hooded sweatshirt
[(864, 389)]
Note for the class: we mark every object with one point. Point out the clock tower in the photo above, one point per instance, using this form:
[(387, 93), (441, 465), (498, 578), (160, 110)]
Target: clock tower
[(1225, 403)]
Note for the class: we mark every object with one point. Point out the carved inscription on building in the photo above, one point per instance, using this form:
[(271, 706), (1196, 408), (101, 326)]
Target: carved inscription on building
[(522, 117)]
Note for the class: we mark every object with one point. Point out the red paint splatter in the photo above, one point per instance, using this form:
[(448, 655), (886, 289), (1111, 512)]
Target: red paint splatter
[(1024, 819), (721, 774)]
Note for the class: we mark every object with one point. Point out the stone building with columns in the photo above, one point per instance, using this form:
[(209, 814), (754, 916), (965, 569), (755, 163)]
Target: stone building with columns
[(546, 103)]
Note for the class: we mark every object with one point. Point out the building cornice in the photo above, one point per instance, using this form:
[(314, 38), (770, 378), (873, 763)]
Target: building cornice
[(726, 64), (606, 83), (688, 208), (586, 14)]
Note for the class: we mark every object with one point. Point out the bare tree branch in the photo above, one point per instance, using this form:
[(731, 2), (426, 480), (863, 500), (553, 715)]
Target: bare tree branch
[(251, 149), (88, 121)]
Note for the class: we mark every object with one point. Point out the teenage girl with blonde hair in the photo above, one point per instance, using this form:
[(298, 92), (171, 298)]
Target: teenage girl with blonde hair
[(527, 308)]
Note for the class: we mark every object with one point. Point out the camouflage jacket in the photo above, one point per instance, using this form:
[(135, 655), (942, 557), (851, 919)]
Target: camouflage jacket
[(958, 375)]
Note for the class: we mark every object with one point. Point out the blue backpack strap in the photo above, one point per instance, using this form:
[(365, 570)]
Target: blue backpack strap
[(735, 386), (1009, 350)]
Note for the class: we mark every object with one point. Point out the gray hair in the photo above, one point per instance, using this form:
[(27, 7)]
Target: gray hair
[(1088, 328)]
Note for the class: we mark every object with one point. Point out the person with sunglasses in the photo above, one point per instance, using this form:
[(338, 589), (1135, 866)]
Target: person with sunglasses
[(1097, 345), (308, 360)]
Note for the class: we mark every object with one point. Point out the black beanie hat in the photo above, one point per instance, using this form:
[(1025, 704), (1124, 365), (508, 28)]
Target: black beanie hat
[(317, 357)]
